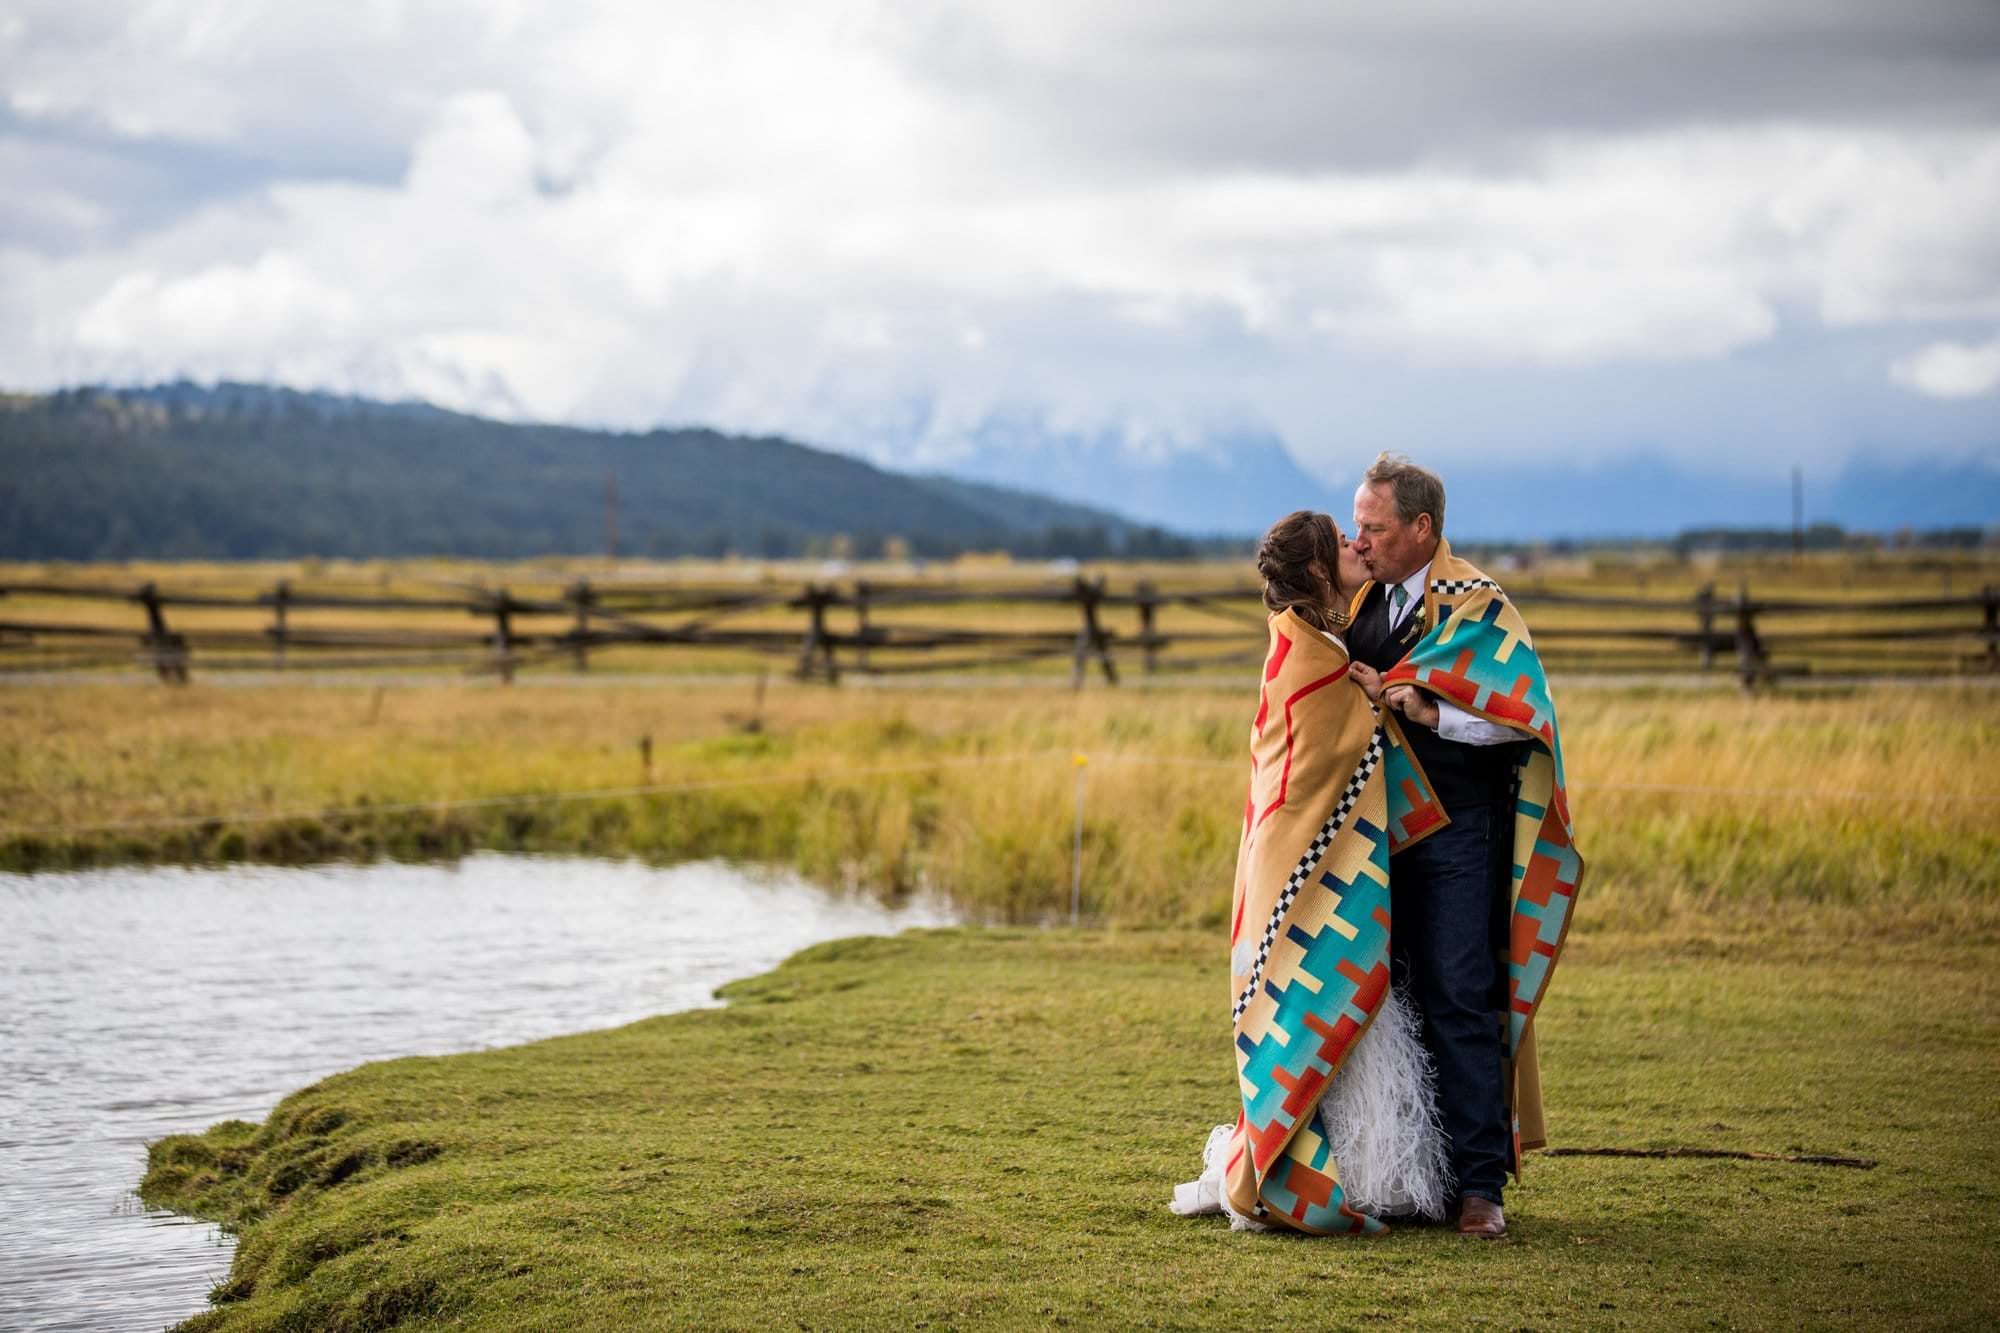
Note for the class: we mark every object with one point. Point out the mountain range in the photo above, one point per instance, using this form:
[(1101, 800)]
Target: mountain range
[(247, 471), (1647, 496), (183, 471), (1237, 480), (1233, 479)]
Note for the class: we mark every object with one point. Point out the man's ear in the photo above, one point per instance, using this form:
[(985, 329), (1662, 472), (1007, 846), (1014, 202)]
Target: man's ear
[(1425, 528)]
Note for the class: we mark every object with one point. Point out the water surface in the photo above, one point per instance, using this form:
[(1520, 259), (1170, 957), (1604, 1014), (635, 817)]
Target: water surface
[(136, 1003)]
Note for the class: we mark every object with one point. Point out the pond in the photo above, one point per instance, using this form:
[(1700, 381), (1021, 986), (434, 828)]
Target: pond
[(136, 1003)]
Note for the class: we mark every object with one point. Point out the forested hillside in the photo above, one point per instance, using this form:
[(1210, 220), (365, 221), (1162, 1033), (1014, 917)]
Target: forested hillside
[(244, 472)]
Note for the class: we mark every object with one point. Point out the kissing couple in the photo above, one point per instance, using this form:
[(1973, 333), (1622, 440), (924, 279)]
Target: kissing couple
[(1404, 883)]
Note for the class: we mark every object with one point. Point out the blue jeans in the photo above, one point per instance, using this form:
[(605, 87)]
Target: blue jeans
[(1449, 903)]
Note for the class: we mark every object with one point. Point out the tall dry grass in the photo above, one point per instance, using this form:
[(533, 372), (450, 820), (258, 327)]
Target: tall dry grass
[(1781, 812)]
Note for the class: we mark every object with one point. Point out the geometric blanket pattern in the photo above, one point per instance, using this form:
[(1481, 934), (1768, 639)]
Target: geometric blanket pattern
[(1333, 791), (1479, 656)]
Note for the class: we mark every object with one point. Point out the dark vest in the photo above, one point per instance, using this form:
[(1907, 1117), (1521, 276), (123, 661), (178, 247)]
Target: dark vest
[(1462, 775)]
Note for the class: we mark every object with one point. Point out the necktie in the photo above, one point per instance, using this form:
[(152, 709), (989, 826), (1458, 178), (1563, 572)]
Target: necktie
[(1398, 595)]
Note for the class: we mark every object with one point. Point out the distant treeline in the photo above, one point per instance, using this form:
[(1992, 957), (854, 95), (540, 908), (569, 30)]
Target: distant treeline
[(1819, 537), (1828, 537), (243, 472), (246, 472)]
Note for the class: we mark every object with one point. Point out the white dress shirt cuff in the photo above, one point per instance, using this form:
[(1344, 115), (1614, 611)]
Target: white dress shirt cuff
[(1455, 724)]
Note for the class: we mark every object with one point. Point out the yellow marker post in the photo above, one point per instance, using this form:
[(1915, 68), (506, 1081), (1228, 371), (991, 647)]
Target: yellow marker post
[(1081, 761)]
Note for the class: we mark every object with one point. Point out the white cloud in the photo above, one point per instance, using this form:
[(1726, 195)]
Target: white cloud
[(1950, 369), (476, 156), (225, 308), (596, 300), (1513, 305), (1900, 229), (807, 218)]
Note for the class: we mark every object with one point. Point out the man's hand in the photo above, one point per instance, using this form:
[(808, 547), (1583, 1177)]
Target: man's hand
[(1413, 704), (1368, 678)]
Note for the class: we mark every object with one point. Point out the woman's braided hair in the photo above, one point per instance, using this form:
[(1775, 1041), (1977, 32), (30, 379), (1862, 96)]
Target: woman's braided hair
[(1285, 557)]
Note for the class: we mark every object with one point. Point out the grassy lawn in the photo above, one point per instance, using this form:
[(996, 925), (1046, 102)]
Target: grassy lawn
[(1787, 943), (981, 1127)]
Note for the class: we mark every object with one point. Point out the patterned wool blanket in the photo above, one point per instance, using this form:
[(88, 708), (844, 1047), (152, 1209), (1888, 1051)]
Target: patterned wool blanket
[(1334, 792)]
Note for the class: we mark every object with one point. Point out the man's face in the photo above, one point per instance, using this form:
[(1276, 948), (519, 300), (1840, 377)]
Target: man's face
[(1392, 549)]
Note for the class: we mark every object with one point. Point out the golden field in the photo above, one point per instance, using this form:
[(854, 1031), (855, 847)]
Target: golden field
[(1874, 806)]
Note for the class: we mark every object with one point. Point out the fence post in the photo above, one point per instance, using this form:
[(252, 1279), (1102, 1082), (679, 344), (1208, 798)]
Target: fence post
[(1099, 635), (1148, 603), (810, 648), (1082, 594), (1992, 628), (817, 643), (503, 636), (1090, 637), (1751, 663), (581, 595), (861, 624), (1704, 610), (169, 651), (281, 597)]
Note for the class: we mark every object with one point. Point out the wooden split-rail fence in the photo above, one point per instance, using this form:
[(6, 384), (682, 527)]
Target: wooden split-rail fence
[(826, 630)]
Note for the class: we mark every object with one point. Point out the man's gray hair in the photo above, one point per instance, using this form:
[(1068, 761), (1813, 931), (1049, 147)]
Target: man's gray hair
[(1417, 490)]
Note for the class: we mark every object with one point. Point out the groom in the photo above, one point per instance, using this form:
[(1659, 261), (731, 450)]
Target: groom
[(1450, 892)]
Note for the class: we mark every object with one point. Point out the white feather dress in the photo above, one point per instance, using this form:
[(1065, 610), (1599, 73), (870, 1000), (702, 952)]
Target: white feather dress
[(1380, 1119)]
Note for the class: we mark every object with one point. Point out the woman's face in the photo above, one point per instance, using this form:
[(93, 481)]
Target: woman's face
[(1353, 569)]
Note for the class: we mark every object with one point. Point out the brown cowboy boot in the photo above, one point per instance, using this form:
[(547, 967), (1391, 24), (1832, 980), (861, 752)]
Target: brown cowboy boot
[(1482, 1218)]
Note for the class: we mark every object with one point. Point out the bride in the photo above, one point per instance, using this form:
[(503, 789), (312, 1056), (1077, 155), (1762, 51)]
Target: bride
[(1337, 1127)]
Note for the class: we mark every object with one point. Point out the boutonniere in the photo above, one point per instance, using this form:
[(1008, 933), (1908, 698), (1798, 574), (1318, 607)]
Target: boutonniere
[(1414, 626)]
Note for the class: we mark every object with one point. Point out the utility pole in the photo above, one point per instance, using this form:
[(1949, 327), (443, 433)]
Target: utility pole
[(611, 515), (1799, 513)]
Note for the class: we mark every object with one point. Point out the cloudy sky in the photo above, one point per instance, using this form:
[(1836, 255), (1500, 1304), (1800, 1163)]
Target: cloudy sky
[(1744, 234)]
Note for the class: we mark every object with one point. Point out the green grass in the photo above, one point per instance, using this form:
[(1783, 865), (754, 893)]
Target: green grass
[(1159, 837), (981, 1128)]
